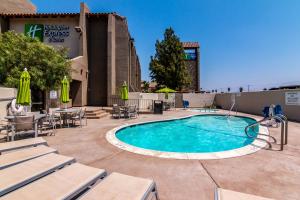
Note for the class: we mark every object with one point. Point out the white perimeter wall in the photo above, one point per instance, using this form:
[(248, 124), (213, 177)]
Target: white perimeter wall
[(152, 96), (198, 100), (146, 99), (195, 99)]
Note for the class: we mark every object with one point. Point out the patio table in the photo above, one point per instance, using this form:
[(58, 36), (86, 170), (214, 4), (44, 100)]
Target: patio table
[(65, 113), (37, 118), (124, 110)]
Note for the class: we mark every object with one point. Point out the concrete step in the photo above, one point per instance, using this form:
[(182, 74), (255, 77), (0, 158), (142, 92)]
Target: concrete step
[(95, 113), (98, 116), (99, 111), (92, 111)]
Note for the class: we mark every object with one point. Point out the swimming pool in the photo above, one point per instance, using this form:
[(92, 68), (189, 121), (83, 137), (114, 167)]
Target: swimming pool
[(204, 136), (198, 134)]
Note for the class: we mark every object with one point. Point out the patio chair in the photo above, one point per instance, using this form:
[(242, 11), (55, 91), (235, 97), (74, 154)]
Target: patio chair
[(167, 106), (131, 111), (56, 118), (117, 112), (79, 116), (278, 110), (270, 111), (122, 187), (4, 128), (186, 104), (48, 123), (23, 125)]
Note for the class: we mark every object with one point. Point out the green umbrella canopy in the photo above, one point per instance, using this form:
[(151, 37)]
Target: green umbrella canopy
[(65, 86), (165, 90), (23, 96), (124, 91)]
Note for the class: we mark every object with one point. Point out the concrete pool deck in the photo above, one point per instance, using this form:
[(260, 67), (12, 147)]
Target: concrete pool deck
[(268, 173)]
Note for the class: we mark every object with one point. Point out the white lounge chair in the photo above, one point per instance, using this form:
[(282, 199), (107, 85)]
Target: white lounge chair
[(122, 187), (65, 184), (222, 194), (16, 157), (19, 175), (9, 146)]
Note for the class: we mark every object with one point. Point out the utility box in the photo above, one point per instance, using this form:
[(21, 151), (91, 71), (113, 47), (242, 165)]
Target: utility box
[(158, 107)]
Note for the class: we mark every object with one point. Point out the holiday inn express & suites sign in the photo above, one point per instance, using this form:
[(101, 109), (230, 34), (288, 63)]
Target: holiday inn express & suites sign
[(50, 33)]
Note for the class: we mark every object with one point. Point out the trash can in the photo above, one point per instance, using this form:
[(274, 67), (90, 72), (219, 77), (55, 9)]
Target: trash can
[(158, 107)]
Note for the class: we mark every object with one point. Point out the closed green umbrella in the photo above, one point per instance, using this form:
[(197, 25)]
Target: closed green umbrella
[(124, 91), (165, 90), (23, 96), (65, 86)]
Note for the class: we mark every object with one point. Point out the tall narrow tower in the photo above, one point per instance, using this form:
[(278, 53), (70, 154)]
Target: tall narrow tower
[(192, 60)]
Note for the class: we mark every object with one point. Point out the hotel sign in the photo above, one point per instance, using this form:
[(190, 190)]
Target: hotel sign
[(292, 98), (53, 94), (35, 31), (50, 33)]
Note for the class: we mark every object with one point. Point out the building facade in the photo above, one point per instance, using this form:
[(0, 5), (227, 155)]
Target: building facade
[(101, 50), (192, 60)]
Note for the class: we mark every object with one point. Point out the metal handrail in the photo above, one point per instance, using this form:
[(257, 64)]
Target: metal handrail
[(284, 128), (255, 124), (231, 108)]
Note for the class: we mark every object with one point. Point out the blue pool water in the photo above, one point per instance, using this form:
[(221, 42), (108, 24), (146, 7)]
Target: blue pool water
[(197, 134)]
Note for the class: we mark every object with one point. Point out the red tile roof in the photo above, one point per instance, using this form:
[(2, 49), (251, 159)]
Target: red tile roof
[(37, 14), (101, 14), (53, 14), (190, 44)]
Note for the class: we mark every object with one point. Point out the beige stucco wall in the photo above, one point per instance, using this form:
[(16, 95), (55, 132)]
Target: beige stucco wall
[(254, 102), (71, 42), (5, 95), (197, 100), (79, 73)]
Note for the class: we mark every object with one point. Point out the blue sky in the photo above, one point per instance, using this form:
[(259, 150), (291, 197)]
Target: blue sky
[(243, 42)]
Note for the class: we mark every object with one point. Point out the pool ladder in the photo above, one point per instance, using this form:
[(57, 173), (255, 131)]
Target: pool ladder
[(284, 129), (231, 108)]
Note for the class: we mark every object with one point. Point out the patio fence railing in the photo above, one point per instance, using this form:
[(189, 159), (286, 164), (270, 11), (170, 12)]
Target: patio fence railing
[(142, 104)]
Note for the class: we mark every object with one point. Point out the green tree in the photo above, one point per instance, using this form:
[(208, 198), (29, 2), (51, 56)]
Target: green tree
[(146, 85), (46, 65), (167, 67)]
